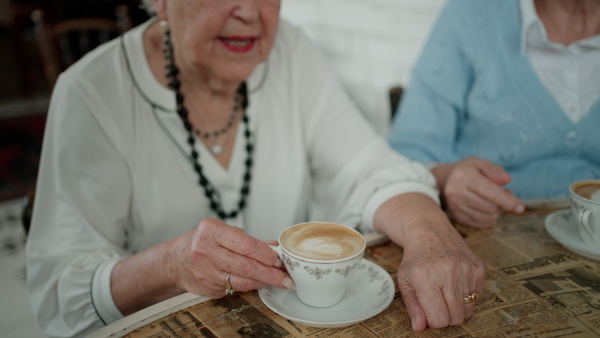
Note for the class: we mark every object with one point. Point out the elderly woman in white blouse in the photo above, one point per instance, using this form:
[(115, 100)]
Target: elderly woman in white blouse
[(172, 153)]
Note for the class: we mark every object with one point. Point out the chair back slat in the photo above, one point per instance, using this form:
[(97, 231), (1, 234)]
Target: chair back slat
[(63, 43), (44, 38), (64, 50)]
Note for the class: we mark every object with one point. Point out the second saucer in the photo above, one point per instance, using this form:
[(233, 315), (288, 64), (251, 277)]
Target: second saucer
[(562, 227)]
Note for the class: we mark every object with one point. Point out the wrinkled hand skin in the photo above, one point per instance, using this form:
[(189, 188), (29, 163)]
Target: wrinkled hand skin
[(473, 193), (201, 258), (437, 269)]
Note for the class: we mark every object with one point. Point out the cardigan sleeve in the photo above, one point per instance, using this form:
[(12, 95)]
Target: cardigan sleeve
[(353, 168), (432, 110), (81, 209)]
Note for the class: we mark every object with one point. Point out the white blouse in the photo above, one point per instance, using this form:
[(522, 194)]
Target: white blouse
[(115, 176)]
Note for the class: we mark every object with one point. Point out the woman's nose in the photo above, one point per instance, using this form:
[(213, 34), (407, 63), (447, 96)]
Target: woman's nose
[(246, 10)]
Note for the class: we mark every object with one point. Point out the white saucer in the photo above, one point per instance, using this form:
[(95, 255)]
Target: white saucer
[(370, 292), (562, 227)]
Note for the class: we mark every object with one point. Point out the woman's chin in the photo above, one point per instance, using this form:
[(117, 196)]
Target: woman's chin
[(236, 75), (235, 70)]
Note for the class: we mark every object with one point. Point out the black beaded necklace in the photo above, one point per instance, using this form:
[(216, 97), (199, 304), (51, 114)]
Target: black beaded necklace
[(241, 99)]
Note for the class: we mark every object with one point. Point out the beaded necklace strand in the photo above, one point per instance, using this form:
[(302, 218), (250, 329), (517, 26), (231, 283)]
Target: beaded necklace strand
[(215, 147), (241, 100)]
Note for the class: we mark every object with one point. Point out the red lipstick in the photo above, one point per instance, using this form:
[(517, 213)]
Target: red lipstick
[(238, 44)]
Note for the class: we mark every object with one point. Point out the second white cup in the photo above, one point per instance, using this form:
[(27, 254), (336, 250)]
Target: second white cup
[(585, 203)]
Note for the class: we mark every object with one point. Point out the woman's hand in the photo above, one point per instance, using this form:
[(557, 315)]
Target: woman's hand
[(437, 270), (200, 260), (472, 191)]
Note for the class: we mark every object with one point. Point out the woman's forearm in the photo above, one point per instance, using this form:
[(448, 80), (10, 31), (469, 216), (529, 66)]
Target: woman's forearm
[(401, 216), (144, 279)]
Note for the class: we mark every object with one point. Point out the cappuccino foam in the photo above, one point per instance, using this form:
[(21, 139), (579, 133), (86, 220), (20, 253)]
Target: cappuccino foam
[(322, 241), (588, 190)]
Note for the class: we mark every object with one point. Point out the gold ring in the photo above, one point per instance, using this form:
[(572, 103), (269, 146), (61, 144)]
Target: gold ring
[(228, 289), (470, 298)]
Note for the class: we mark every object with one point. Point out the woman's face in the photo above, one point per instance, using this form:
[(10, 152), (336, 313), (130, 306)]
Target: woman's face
[(223, 38)]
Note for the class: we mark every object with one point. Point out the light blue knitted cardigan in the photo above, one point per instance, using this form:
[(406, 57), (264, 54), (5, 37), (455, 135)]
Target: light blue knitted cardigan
[(474, 93)]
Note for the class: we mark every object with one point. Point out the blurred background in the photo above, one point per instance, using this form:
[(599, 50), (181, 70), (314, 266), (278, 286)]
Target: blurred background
[(24, 87), (372, 44)]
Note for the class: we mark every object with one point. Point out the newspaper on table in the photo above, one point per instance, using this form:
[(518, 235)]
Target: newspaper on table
[(534, 288)]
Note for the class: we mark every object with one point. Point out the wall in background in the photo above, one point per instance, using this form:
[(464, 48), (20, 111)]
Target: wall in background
[(373, 44)]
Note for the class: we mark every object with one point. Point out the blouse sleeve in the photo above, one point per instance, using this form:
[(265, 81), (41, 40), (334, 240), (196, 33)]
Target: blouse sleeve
[(81, 210), (354, 170), (432, 110)]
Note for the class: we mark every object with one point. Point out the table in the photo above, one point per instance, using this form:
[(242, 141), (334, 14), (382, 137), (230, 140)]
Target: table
[(533, 287)]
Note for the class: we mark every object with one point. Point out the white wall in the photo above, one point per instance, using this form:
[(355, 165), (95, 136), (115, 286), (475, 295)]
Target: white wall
[(373, 44)]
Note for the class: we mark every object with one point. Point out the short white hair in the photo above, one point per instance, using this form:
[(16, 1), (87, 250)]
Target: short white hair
[(148, 6)]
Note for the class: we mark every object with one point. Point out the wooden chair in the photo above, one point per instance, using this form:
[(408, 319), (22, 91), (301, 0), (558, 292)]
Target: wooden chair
[(61, 44), (64, 42)]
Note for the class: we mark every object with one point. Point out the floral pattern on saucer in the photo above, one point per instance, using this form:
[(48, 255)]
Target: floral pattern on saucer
[(374, 275), (371, 291)]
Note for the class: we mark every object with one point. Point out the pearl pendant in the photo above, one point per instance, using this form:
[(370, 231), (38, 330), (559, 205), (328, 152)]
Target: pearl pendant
[(216, 149)]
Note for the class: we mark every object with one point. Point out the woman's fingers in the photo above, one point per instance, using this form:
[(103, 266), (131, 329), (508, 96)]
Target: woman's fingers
[(477, 289), (475, 218), (437, 271), (473, 198), (456, 306), (236, 240), (465, 281), (441, 302), (202, 258), (278, 263), (435, 307), (418, 318), (496, 194), (218, 287), (472, 210), (250, 269), (486, 180), (244, 284)]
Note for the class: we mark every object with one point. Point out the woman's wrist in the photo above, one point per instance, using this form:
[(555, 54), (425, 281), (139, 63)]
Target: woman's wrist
[(145, 278), (404, 215)]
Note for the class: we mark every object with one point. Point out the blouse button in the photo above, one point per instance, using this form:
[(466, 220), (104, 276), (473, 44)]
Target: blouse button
[(572, 140)]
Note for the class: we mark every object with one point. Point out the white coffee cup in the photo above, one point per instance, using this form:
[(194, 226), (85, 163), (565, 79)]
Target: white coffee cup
[(322, 258), (585, 203)]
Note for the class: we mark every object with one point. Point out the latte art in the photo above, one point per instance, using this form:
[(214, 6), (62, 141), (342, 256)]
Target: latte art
[(591, 191), (322, 241)]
